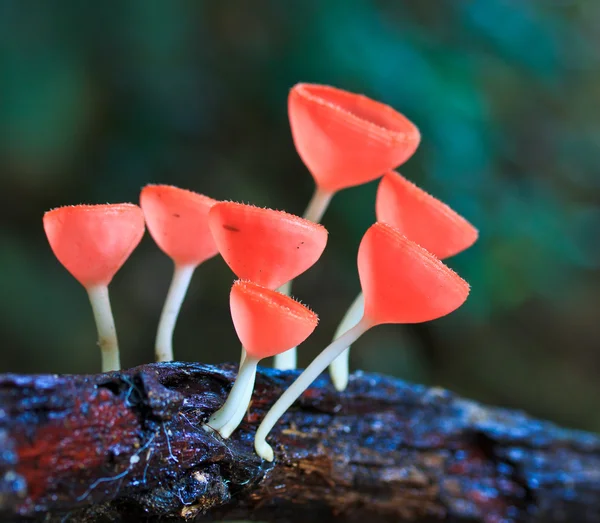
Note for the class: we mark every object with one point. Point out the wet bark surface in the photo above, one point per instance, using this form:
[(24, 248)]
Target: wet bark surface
[(129, 446)]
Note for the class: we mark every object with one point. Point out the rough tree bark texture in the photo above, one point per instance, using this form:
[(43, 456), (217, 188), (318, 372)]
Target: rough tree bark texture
[(129, 446)]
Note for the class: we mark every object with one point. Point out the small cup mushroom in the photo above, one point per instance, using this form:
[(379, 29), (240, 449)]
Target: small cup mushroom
[(402, 283), (267, 323), (344, 139), (421, 218), (178, 222), (92, 242)]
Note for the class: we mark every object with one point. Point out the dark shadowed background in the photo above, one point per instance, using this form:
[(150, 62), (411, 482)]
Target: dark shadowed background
[(99, 98)]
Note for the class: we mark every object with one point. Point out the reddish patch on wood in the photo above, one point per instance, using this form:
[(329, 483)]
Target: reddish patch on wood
[(74, 445)]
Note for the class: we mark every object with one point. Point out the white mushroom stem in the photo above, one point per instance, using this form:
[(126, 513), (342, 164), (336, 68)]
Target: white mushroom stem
[(339, 368), (314, 212), (177, 291), (228, 426), (105, 324), (229, 419), (295, 390), (242, 407), (237, 401), (318, 205), (286, 360)]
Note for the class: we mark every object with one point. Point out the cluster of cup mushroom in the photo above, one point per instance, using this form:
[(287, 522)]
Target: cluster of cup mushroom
[(345, 140)]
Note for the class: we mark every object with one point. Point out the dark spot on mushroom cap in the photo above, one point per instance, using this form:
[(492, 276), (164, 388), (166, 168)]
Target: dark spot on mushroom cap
[(176, 215), (230, 228)]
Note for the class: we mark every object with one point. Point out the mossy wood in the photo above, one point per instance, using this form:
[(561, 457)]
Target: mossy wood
[(129, 446)]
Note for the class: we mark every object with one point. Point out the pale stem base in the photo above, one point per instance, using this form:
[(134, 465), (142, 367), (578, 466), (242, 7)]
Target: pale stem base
[(243, 404), (340, 367), (177, 291), (295, 390), (314, 212), (250, 386), (242, 389), (105, 325)]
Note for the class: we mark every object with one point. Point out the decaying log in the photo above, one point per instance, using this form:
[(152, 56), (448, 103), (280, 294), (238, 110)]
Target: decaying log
[(129, 446)]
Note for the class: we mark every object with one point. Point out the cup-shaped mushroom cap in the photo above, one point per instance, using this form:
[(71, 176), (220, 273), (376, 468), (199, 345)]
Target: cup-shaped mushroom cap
[(265, 246), (347, 139), (422, 218), (404, 283), (178, 222), (268, 322), (93, 241)]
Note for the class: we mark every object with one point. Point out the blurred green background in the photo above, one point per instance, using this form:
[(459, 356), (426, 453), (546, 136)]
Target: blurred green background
[(99, 98)]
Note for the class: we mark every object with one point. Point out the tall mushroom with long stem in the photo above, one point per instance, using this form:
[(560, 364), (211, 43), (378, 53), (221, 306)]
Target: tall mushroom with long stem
[(178, 222), (421, 218), (264, 246), (402, 283), (267, 323), (92, 242), (344, 139)]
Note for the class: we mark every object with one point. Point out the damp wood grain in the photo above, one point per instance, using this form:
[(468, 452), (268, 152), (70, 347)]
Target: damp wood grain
[(130, 446)]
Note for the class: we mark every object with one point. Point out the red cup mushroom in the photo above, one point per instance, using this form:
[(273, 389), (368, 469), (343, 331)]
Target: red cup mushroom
[(402, 283), (265, 246), (267, 323), (344, 139), (178, 222), (92, 242), (420, 217)]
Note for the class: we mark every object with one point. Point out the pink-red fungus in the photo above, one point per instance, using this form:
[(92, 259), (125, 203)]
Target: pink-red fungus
[(92, 242), (402, 283), (178, 222), (267, 323), (265, 246), (347, 139), (422, 218), (344, 139)]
